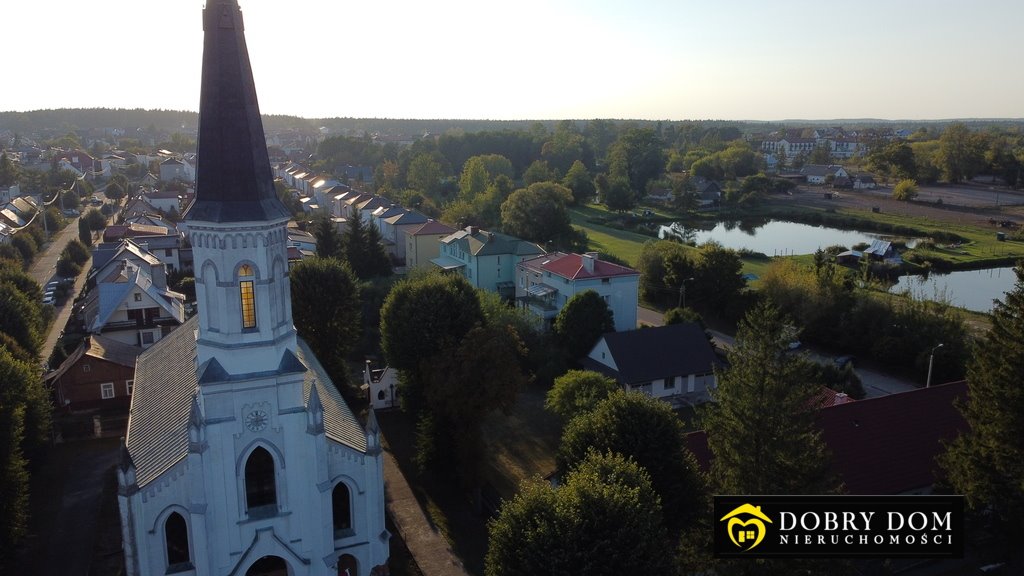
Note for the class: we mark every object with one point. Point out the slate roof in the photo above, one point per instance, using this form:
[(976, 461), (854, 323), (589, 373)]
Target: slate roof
[(819, 170), (653, 353), (234, 182), (884, 445), (100, 347), (165, 381), (478, 242), (413, 217)]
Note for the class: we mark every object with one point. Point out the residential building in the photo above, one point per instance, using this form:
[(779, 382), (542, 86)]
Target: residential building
[(545, 283), (100, 373), (422, 242), (241, 456), (487, 259), (883, 445), (128, 306), (675, 361), (177, 169), (822, 174)]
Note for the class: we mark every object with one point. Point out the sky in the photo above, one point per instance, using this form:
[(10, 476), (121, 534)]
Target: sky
[(537, 60)]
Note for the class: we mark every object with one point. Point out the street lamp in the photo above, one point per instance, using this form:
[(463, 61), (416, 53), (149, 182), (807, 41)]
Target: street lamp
[(682, 292), (931, 358)]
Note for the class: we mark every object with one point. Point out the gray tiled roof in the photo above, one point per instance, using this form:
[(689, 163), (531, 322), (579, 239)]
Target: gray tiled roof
[(165, 380)]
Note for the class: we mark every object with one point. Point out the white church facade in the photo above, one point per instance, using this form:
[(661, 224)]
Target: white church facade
[(241, 456)]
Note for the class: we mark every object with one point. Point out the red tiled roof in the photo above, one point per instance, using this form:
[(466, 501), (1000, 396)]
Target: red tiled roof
[(571, 266), (884, 445)]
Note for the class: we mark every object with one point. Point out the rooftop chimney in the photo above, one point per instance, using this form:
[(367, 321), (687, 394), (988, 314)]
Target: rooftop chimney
[(588, 261)]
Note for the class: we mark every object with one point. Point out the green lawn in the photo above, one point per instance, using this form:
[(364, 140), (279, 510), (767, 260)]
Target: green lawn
[(627, 245)]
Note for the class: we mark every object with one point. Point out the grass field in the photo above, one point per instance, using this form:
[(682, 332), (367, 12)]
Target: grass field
[(627, 245)]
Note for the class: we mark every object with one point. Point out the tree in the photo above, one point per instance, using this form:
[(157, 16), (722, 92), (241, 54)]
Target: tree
[(761, 430), (95, 219), (659, 262), (718, 276), (463, 386), (70, 200), (578, 391), (76, 252), (605, 520), (820, 155), (578, 180), (961, 153), (986, 463), (618, 196), (474, 179), (637, 155), (648, 431), (117, 188), (84, 234), (19, 317), (538, 213), (581, 322), (378, 263), (8, 171), (424, 174), (325, 307), (420, 319), (905, 190), (328, 240), (26, 246), (538, 171)]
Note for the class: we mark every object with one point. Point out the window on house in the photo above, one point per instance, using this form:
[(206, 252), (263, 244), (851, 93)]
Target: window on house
[(260, 482), (130, 386), (176, 538), (147, 337), (168, 252), (248, 295), (86, 368), (138, 297), (341, 506), (107, 390)]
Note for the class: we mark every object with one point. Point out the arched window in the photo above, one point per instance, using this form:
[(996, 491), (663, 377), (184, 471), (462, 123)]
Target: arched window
[(248, 294), (176, 537), (260, 482), (341, 506)]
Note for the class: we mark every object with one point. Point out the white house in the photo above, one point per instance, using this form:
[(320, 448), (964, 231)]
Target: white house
[(381, 386), (662, 362), (175, 169), (821, 174), (241, 457), (545, 283), (128, 306), (487, 259)]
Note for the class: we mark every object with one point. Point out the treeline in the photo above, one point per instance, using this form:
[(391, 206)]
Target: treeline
[(24, 402)]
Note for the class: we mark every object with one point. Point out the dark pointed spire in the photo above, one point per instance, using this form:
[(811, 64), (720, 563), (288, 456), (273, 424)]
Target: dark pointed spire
[(233, 178)]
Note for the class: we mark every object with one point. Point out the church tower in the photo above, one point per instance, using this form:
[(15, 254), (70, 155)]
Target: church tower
[(241, 457)]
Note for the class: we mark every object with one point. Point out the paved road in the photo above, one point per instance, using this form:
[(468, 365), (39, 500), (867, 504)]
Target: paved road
[(875, 381)]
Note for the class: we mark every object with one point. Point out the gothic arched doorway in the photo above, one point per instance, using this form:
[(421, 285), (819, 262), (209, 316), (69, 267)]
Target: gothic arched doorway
[(268, 566), (348, 566)]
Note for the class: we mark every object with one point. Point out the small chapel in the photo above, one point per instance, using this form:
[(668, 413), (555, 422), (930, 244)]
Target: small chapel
[(241, 457)]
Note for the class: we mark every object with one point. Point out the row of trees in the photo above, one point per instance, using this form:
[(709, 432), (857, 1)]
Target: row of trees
[(24, 402), (956, 155), (823, 302), (711, 276)]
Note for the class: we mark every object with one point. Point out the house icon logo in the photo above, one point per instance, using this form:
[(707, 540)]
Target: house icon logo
[(746, 526)]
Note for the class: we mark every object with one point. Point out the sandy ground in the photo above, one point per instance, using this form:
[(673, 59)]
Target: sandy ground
[(965, 204)]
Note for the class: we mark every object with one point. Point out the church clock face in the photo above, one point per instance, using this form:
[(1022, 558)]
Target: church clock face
[(256, 420)]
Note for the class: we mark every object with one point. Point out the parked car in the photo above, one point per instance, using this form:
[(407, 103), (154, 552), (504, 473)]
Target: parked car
[(48, 298), (51, 286), (71, 213), (844, 361)]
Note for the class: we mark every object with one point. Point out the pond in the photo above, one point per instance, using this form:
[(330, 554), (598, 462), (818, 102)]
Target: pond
[(971, 289), (772, 238)]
